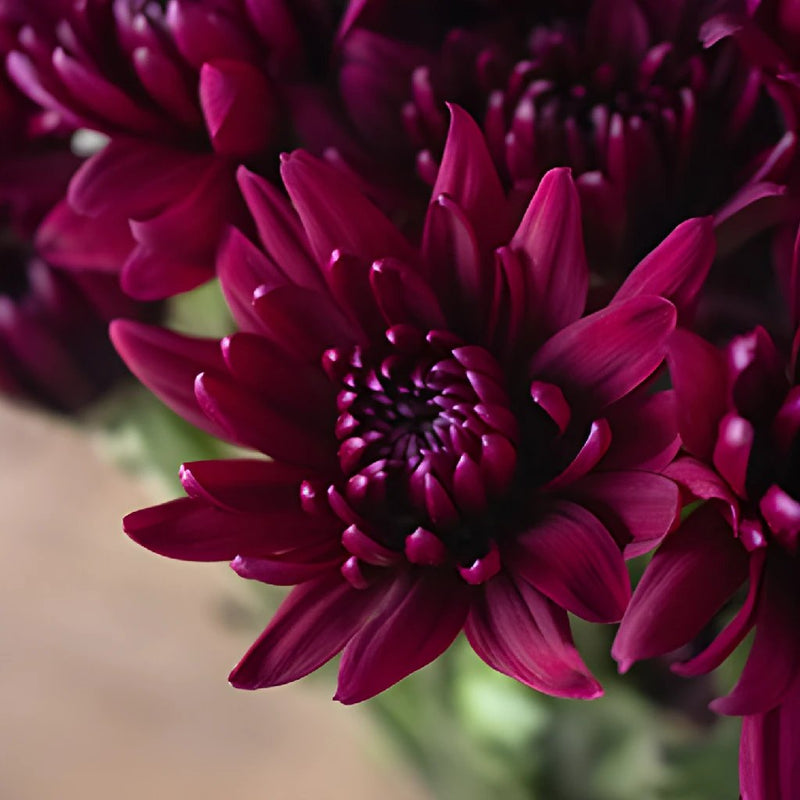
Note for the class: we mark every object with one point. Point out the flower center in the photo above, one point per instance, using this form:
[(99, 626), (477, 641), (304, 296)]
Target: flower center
[(427, 442)]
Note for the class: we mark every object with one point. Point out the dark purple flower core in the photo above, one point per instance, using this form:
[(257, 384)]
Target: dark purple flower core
[(428, 443)]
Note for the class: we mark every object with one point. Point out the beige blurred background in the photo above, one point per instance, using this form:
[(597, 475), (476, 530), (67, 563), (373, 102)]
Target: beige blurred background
[(113, 661)]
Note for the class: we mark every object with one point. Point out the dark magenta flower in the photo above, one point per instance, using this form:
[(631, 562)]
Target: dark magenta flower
[(739, 418), (54, 347), (454, 445), (655, 127), (186, 90)]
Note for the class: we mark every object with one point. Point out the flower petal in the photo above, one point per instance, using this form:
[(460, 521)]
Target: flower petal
[(677, 268), (468, 176), (699, 378), (692, 574), (602, 357), (421, 615), (549, 242), (280, 230), (768, 765), (248, 418), (167, 363), (772, 664), (351, 224), (192, 530), (569, 556), (312, 625), (638, 508), (244, 484), (521, 633)]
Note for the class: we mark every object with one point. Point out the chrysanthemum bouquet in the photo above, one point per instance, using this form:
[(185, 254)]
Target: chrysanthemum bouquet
[(511, 293)]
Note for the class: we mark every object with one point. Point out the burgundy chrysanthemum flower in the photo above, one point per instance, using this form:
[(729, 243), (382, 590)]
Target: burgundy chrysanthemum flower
[(186, 90), (655, 127), (739, 418), (454, 446)]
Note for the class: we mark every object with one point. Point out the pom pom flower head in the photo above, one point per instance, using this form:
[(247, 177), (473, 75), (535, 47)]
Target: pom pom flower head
[(454, 445)]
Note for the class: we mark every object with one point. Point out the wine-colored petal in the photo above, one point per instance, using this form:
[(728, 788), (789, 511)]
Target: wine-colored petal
[(638, 508), (312, 625), (192, 530), (773, 662), (677, 268), (602, 357), (248, 419), (699, 378), (569, 556), (168, 363), (245, 484), (420, 616), (521, 633), (768, 765), (351, 224), (692, 574), (467, 175), (549, 243)]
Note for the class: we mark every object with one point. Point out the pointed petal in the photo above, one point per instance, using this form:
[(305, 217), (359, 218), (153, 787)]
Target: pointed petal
[(768, 766), (549, 242), (521, 633), (677, 268), (192, 530), (244, 484), (692, 574), (727, 640), (301, 391), (304, 323), (468, 176), (240, 107), (644, 432), (167, 363), (336, 215), (312, 625), (280, 229), (569, 556), (421, 615), (602, 357), (242, 268)]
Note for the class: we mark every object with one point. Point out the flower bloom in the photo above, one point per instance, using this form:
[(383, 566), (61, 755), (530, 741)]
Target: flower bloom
[(739, 417), (54, 348), (619, 90), (185, 91), (454, 445)]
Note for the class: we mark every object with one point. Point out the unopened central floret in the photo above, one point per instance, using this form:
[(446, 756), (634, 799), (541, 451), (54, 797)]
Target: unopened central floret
[(427, 439)]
